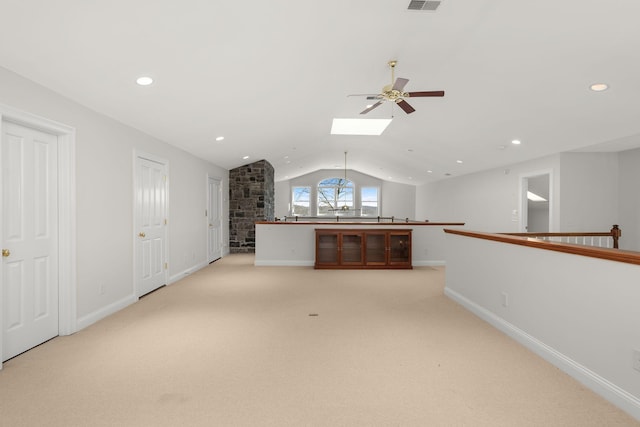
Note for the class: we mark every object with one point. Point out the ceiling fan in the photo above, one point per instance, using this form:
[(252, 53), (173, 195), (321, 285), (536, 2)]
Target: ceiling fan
[(394, 92)]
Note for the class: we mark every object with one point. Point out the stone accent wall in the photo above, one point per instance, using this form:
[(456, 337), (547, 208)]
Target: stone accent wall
[(251, 199)]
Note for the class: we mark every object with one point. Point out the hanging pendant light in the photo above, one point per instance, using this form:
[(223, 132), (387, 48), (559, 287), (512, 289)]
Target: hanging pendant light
[(344, 183)]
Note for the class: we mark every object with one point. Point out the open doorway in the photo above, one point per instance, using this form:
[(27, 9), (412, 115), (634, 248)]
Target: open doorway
[(536, 203)]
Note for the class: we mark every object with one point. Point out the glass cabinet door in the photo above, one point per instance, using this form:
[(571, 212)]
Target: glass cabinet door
[(376, 248), (399, 248), (327, 249), (352, 248)]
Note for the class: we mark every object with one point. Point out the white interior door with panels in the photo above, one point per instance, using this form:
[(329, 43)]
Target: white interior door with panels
[(29, 238), (151, 224), (214, 219)]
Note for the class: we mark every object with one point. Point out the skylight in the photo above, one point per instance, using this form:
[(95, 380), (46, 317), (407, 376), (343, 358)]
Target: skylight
[(534, 197), (359, 126)]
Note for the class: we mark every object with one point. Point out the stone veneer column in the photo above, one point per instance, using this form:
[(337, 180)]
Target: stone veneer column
[(251, 199)]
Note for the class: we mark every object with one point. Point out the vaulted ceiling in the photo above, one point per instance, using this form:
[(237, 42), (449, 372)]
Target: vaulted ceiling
[(271, 75)]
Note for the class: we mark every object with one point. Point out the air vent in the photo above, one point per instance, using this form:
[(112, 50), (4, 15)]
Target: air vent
[(428, 5)]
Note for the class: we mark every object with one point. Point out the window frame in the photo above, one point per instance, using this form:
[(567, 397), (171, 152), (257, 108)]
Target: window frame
[(308, 201), (362, 201), (335, 184)]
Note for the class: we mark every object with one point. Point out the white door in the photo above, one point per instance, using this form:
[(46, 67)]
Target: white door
[(29, 238), (151, 224), (214, 219)]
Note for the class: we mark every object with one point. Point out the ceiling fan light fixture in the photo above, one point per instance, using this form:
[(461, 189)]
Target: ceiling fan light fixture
[(394, 92)]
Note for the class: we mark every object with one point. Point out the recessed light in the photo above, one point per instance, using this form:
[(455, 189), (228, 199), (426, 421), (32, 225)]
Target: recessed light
[(220, 138), (459, 161), (144, 81), (429, 171), (245, 157), (516, 142), (599, 87)]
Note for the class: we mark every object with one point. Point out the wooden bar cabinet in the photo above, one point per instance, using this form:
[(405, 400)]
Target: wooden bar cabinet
[(363, 248)]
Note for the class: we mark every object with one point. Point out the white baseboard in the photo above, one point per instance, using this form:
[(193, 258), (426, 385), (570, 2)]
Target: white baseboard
[(608, 390), (181, 275), (100, 314)]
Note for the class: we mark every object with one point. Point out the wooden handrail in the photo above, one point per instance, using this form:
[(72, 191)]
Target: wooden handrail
[(618, 255), (614, 233)]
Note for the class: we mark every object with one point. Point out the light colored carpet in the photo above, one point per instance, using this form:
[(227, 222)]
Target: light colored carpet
[(234, 345)]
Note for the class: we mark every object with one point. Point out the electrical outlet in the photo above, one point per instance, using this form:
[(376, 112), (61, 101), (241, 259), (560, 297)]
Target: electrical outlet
[(636, 360), (505, 299)]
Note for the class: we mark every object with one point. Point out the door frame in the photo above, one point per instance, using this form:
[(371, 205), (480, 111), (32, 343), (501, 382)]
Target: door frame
[(138, 154), (220, 238), (67, 297), (524, 202)]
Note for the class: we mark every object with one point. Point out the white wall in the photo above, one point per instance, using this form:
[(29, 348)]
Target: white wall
[(282, 198), (104, 177), (486, 200), (629, 201), (583, 317), (589, 185), (399, 200), (584, 196)]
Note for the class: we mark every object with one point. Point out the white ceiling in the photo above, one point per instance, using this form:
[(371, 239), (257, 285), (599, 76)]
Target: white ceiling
[(270, 75)]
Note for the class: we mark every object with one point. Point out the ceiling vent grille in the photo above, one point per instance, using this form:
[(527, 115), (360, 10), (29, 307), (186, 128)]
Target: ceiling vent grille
[(428, 5)]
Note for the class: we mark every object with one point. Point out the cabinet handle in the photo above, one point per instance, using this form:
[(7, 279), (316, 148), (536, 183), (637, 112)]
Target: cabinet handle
[(142, 235)]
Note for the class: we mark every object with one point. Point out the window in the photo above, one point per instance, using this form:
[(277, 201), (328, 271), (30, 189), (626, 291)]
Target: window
[(369, 197), (335, 197), (301, 197)]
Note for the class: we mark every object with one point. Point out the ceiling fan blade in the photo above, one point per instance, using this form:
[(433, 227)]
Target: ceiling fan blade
[(428, 93), (405, 106), (377, 104), (400, 84), (375, 95)]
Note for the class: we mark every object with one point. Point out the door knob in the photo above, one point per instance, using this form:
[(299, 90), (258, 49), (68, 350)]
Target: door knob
[(142, 235), (6, 252)]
